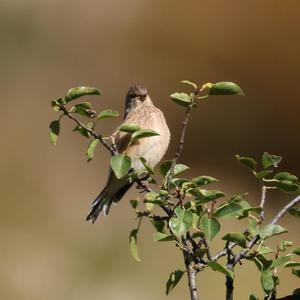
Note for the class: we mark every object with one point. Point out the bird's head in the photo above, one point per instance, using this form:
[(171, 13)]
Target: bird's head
[(136, 95)]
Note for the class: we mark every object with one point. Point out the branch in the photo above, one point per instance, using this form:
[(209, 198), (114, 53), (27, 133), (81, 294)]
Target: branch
[(181, 141), (279, 215), (282, 212), (191, 273), (262, 203), (92, 132), (229, 288)]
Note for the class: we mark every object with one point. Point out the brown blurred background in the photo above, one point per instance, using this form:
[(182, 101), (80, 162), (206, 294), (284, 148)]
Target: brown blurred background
[(47, 250)]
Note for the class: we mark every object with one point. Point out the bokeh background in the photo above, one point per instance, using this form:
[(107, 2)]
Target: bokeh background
[(47, 250)]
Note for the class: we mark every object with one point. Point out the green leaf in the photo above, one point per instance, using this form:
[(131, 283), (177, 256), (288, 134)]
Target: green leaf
[(263, 174), (84, 109), (294, 211), (129, 127), (228, 210), (296, 272), (208, 195), (82, 131), (217, 267), (143, 133), (236, 237), (190, 83), (211, 227), (146, 166), (57, 103), (279, 261), (288, 186), (292, 264), (249, 162), (162, 237), (271, 230), (265, 250), (181, 99), (133, 244), (181, 222), (77, 92), (91, 149), (166, 166), (159, 225), (267, 281), (225, 88), (253, 297), (120, 164), (253, 228), (269, 160), (296, 251), (284, 244), (203, 180), (134, 203), (173, 280), (55, 129), (108, 113), (286, 176)]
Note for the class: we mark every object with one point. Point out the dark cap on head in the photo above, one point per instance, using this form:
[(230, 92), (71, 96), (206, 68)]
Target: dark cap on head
[(137, 90)]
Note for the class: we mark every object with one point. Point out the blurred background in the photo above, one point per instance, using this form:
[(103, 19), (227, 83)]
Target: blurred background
[(47, 250)]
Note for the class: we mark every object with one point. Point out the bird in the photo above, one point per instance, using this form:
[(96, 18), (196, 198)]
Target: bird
[(139, 110)]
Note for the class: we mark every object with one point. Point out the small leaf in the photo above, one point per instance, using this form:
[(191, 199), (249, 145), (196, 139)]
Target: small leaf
[(267, 281), (181, 99), (159, 225), (253, 297), (292, 264), (294, 211), (269, 160), (296, 272), (181, 222), (228, 210), (134, 203), (211, 227), (217, 267), (236, 237), (108, 113), (179, 168), (164, 168), (265, 250), (143, 133), (82, 131), (146, 166), (55, 129), (204, 180), (296, 251), (133, 244), (247, 161), (129, 127), (286, 176), (84, 109), (288, 186), (204, 196), (279, 261), (91, 149), (284, 244), (173, 280), (120, 164), (190, 83), (162, 237), (225, 88), (263, 174), (270, 230), (77, 92)]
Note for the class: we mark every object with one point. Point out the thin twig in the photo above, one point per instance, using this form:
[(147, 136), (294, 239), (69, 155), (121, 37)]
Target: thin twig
[(262, 203), (89, 130), (282, 212)]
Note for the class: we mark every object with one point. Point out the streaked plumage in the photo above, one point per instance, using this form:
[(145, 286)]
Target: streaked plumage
[(139, 110)]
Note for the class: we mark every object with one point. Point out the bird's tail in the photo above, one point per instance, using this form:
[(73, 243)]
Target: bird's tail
[(104, 200)]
